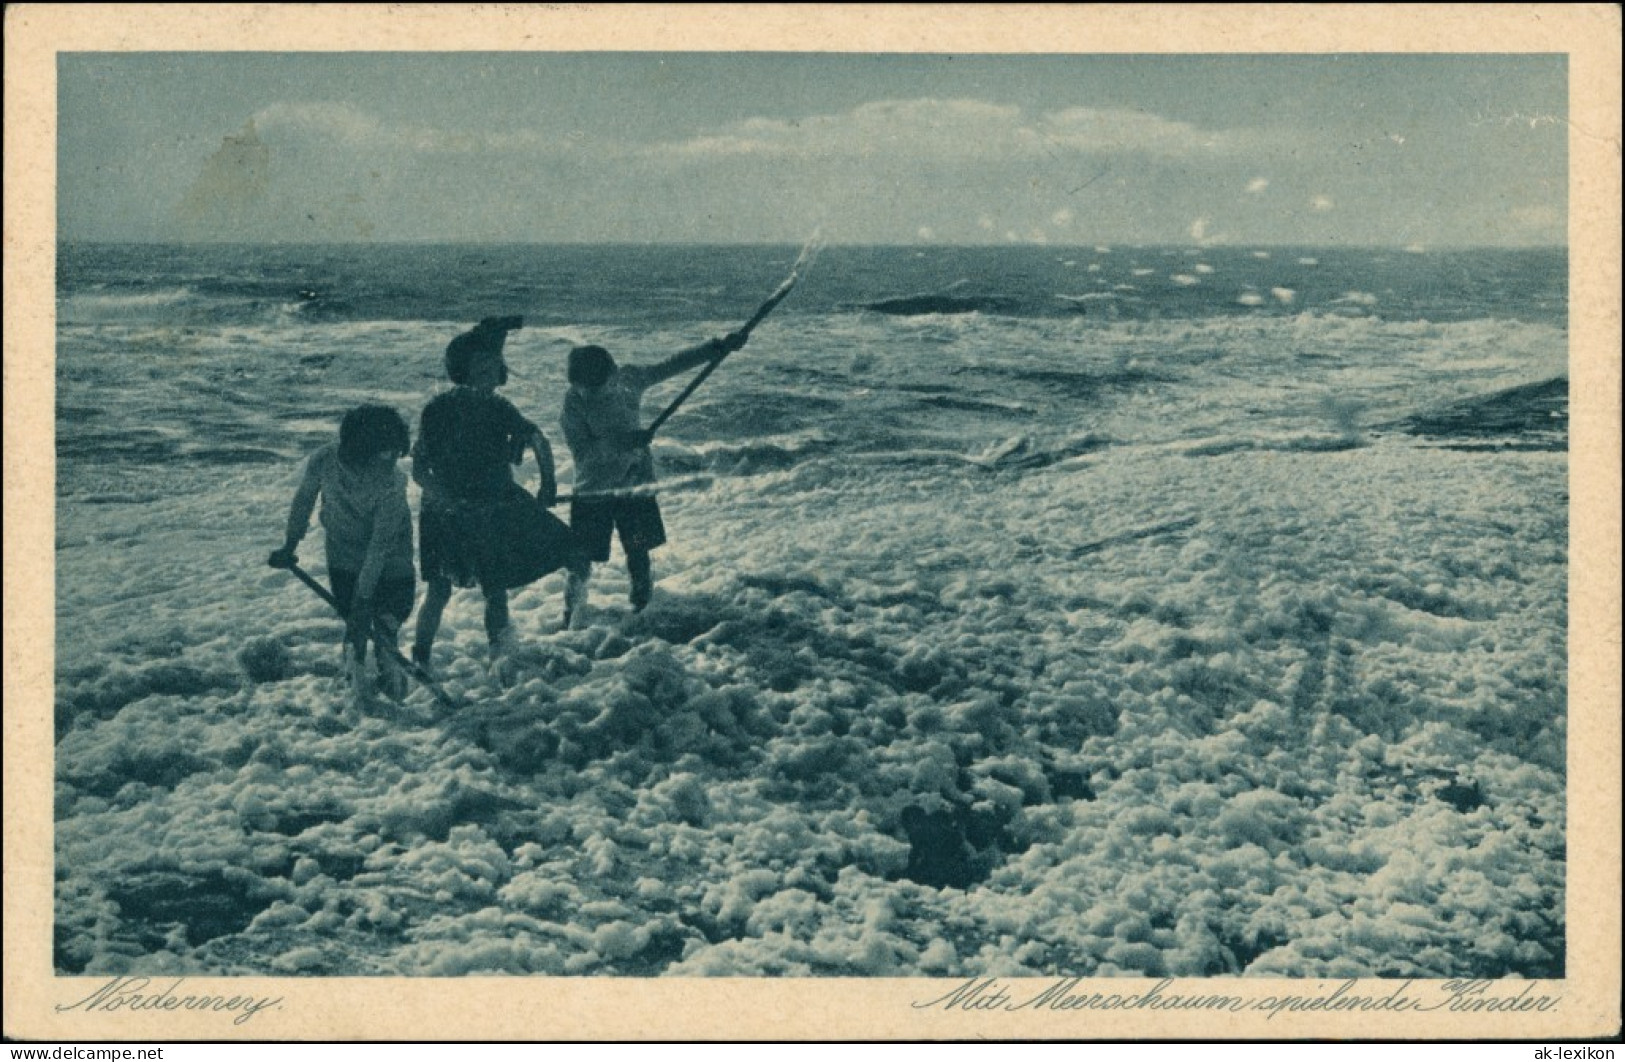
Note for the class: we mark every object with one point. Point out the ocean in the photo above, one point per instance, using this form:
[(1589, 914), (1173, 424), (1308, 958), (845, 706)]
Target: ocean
[(1029, 610), (184, 358)]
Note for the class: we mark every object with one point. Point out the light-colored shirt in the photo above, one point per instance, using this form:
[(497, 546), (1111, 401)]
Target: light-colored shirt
[(596, 419), (364, 514)]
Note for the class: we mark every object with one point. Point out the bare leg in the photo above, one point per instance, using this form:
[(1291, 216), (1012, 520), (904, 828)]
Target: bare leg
[(360, 679), (434, 603), (575, 592), (639, 567), (500, 634), (496, 614), (386, 641), (357, 636)]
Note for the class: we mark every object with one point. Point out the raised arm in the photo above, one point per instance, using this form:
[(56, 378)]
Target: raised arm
[(693, 357)]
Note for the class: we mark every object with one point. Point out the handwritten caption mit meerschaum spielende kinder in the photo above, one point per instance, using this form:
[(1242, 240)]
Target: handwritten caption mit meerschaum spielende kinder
[(1460, 996)]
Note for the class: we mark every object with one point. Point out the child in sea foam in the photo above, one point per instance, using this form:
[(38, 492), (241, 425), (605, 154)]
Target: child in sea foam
[(601, 421), (477, 526), (369, 540)]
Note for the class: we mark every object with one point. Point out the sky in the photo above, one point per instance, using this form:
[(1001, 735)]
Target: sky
[(1385, 150)]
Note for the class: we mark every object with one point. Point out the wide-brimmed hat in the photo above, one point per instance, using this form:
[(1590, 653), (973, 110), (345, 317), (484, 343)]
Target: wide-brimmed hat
[(485, 338)]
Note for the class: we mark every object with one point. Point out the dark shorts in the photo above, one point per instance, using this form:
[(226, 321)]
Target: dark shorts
[(495, 546), (392, 597), (636, 519)]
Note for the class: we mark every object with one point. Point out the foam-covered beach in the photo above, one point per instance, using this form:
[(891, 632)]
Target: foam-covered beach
[(1218, 628)]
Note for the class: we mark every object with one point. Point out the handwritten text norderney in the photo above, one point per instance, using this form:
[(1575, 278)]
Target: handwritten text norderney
[(130, 993)]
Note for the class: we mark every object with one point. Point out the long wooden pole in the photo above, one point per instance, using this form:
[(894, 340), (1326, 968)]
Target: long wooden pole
[(744, 332), (384, 643)]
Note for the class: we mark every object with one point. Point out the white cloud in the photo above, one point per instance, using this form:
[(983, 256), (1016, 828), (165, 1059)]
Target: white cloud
[(985, 222), (357, 128), (730, 145), (1321, 203), (1133, 132), (341, 121), (1202, 234), (1257, 185), (918, 126), (926, 232), (959, 128), (1061, 218)]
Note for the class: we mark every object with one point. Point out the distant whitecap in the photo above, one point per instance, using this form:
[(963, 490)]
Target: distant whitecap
[(1251, 298), (1284, 295)]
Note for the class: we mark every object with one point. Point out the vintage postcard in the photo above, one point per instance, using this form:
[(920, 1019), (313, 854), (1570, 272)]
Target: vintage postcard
[(797, 522)]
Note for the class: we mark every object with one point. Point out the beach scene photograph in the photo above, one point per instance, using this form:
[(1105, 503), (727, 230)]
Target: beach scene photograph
[(811, 515)]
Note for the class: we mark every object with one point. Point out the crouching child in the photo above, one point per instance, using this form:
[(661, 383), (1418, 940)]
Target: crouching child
[(368, 530)]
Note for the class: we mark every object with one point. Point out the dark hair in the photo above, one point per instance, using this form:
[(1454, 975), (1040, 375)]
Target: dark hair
[(367, 430), (590, 366), (461, 352), (486, 337)]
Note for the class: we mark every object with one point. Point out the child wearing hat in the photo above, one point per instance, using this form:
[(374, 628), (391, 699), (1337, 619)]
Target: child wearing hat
[(477, 527)]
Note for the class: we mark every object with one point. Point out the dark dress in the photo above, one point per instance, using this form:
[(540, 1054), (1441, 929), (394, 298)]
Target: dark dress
[(477, 526)]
